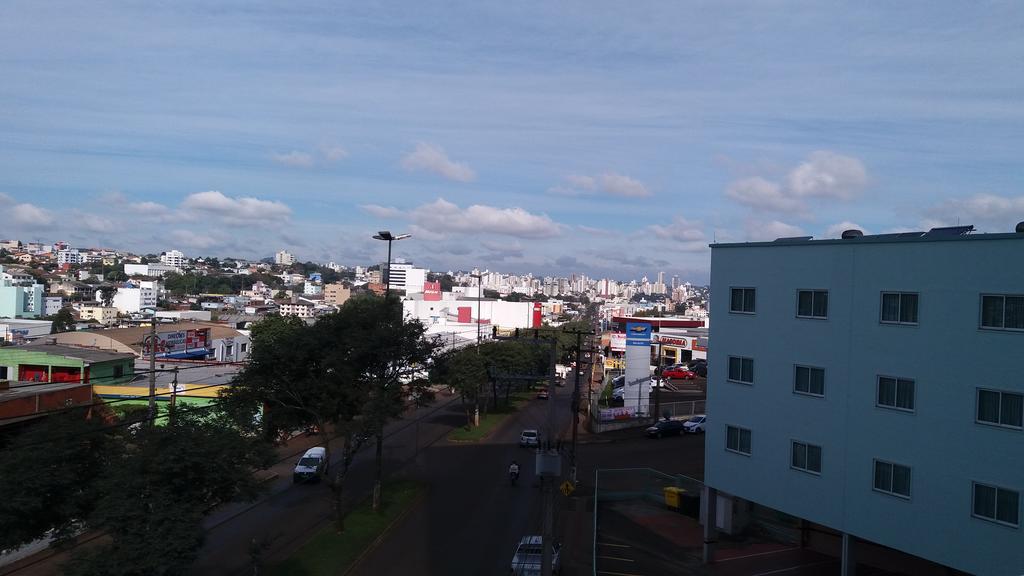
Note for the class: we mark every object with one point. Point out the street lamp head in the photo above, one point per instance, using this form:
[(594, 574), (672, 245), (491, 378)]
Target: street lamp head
[(403, 236), (383, 235)]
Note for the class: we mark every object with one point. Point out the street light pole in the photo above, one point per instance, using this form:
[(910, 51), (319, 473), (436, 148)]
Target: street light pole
[(388, 237)]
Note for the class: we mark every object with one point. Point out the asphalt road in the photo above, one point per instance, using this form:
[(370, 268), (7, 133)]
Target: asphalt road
[(472, 518)]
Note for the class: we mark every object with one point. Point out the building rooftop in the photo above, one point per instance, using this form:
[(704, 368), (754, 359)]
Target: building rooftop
[(87, 355), (947, 234)]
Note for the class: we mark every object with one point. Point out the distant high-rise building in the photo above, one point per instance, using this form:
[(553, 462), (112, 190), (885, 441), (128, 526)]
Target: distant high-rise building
[(173, 258), (284, 258)]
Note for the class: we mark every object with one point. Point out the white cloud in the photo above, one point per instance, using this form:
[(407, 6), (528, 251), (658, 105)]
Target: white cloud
[(836, 230), (757, 192), (295, 159), (95, 222), (621, 185), (432, 158), (148, 208), (31, 214), (688, 235), (441, 217), (990, 211), (611, 183), (239, 211), (333, 153), (823, 175), (828, 175), (195, 240), (5, 199), (382, 211), (502, 250), (758, 231)]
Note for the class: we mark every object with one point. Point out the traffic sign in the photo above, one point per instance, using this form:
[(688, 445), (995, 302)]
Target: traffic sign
[(567, 488)]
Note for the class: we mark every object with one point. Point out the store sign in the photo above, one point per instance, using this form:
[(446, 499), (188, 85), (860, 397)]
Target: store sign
[(638, 334), (179, 341), (618, 342)]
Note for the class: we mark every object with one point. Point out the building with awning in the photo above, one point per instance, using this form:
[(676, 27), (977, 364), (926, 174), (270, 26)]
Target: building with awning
[(176, 341), (55, 363)]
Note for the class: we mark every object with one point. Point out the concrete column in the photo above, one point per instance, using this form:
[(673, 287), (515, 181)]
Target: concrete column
[(849, 559), (710, 514)]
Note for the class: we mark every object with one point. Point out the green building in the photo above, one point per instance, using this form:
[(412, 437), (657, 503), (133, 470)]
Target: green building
[(55, 363)]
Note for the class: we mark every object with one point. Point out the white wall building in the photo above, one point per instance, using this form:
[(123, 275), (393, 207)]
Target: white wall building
[(407, 278), (68, 256), (284, 258), (129, 300), (173, 258), (300, 309), (872, 385), (153, 270)]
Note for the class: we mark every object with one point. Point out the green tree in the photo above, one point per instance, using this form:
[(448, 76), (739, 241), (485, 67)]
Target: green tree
[(63, 321), (49, 474), (160, 485), (107, 294), (465, 371)]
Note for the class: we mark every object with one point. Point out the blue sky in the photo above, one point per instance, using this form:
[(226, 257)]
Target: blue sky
[(606, 138)]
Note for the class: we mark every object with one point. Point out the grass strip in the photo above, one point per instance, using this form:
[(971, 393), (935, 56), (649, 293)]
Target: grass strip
[(328, 553), (491, 420)]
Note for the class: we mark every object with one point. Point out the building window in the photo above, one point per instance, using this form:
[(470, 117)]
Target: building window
[(895, 393), (999, 408), (996, 504), (899, 308), (809, 381), (242, 347), (741, 369), (742, 300), (118, 371), (1002, 312), (812, 303), (737, 440), (806, 457), (892, 479)]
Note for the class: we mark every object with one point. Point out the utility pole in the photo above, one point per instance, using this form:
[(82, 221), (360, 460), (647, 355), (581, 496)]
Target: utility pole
[(152, 370), (657, 389), (548, 481), (174, 394)]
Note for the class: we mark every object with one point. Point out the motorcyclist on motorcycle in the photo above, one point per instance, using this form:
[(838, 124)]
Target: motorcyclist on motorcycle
[(513, 471)]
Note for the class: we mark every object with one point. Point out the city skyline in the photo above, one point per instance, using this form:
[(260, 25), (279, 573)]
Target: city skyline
[(612, 140)]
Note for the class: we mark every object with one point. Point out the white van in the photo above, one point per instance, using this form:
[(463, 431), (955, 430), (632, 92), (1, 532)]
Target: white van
[(312, 465)]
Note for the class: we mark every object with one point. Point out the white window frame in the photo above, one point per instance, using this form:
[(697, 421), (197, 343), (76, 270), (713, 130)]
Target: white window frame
[(899, 310), (977, 405), (813, 292), (743, 289), (739, 440), (893, 406), (892, 475), (994, 519), (728, 376), (796, 371), (981, 312), (806, 445)]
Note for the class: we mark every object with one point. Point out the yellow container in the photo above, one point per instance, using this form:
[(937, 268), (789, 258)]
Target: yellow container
[(672, 495)]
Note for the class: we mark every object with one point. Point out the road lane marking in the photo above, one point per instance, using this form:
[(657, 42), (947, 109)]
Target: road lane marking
[(617, 558), (616, 573), (757, 554), (615, 545), (780, 571)]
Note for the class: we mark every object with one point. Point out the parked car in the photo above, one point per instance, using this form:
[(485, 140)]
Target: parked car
[(529, 438), (679, 373), (542, 394), (528, 557), (666, 428), (695, 425)]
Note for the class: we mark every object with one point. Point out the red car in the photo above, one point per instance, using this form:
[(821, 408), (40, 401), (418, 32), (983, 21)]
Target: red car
[(678, 373)]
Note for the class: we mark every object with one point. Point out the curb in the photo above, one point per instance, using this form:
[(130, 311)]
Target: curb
[(384, 533)]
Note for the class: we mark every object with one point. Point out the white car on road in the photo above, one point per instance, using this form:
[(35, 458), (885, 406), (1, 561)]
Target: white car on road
[(527, 559), (529, 438), (695, 424)]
